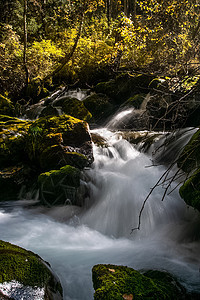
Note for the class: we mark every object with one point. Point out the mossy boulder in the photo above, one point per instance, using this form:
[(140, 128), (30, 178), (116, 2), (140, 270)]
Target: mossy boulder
[(135, 101), (27, 268), (124, 86), (12, 140), (113, 282), (60, 186), (6, 106), (13, 179), (190, 190), (51, 141), (35, 90), (100, 106), (189, 160), (73, 107)]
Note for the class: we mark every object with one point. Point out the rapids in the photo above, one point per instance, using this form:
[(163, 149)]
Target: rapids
[(72, 240)]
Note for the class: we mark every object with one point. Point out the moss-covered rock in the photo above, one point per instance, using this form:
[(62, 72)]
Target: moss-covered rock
[(35, 90), (60, 186), (6, 106), (13, 179), (190, 190), (28, 269), (124, 86), (113, 282), (73, 107), (135, 101), (100, 106), (189, 160), (12, 140), (52, 138)]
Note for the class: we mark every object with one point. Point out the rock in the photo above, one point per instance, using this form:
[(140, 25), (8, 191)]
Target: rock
[(60, 186), (14, 180), (189, 159), (135, 101), (35, 90), (73, 107), (118, 282), (190, 190), (6, 106), (124, 86), (27, 272), (100, 107), (12, 140), (54, 140)]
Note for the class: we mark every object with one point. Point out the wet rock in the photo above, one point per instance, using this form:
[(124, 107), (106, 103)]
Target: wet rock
[(100, 107), (6, 106), (55, 139), (190, 190), (24, 275), (118, 282), (12, 140), (125, 86), (60, 186), (35, 90), (73, 107), (14, 180)]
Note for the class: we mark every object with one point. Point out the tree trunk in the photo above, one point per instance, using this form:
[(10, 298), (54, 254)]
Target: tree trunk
[(69, 55), (108, 11), (25, 44), (126, 7)]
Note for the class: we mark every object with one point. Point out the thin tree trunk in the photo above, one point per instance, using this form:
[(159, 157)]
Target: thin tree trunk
[(126, 7), (108, 11), (25, 44), (134, 9), (68, 56)]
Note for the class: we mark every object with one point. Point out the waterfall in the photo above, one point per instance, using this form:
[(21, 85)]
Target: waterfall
[(74, 239)]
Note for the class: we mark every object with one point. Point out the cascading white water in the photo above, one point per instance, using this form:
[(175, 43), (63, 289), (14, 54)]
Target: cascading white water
[(72, 240)]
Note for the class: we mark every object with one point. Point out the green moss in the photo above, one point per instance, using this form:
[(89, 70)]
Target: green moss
[(49, 137), (189, 159), (74, 108), (117, 282), (190, 190), (99, 105), (35, 90), (6, 106), (58, 186), (12, 140), (135, 101), (23, 266), (125, 86)]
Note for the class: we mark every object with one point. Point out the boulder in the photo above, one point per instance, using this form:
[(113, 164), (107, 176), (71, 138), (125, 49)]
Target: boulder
[(23, 274), (118, 282), (12, 140), (100, 106), (124, 86), (135, 101), (52, 141), (60, 186), (73, 107), (190, 190), (14, 181), (6, 106), (35, 90)]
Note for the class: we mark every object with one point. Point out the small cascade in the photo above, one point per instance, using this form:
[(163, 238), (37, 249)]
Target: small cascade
[(73, 239)]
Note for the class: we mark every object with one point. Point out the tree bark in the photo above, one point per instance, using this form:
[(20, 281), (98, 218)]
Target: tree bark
[(108, 11), (25, 44)]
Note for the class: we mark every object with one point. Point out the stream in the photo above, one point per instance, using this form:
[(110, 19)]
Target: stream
[(74, 239)]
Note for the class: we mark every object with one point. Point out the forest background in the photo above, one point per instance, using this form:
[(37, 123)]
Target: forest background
[(65, 41)]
